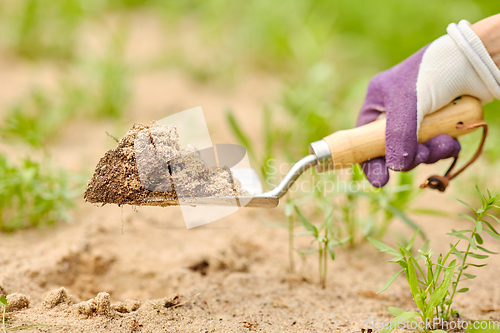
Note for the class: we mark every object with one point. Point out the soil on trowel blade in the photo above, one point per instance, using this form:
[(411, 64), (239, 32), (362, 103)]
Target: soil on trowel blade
[(167, 172)]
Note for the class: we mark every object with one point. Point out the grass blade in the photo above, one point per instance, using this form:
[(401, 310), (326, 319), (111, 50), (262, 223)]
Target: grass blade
[(405, 218), (441, 291), (383, 247), (468, 217), (395, 311), (411, 276), (395, 322), (410, 244), (308, 225), (305, 252), (390, 281), (465, 203), (238, 132)]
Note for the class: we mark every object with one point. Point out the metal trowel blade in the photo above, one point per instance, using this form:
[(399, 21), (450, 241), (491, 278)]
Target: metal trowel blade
[(250, 182)]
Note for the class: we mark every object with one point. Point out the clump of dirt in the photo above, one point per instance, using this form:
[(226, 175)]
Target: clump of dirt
[(201, 267), (116, 177), (237, 258), (16, 302), (130, 305), (167, 172), (57, 297), (100, 305), (167, 302)]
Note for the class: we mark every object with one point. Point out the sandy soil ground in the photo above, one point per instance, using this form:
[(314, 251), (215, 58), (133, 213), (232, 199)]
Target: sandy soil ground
[(229, 276), (126, 270)]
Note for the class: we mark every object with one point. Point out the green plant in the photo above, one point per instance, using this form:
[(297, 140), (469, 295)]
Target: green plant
[(474, 242), (353, 222), (111, 91), (393, 201), (366, 211), (39, 29), (4, 303), (291, 228), (33, 194), (270, 134), (289, 225), (22, 126), (429, 291), (36, 119), (325, 238), (39, 116), (435, 285)]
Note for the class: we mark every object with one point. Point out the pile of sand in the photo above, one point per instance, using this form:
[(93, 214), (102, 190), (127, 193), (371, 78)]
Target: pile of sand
[(165, 171)]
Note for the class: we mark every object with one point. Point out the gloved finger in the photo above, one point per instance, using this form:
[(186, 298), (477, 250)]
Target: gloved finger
[(374, 102), (421, 156), (442, 147), (401, 137), (376, 171), (401, 143), (367, 116)]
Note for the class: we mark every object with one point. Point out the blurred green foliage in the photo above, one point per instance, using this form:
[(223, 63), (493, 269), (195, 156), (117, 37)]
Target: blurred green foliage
[(107, 88), (39, 116), (43, 29), (323, 53), (30, 122), (32, 194), (326, 52)]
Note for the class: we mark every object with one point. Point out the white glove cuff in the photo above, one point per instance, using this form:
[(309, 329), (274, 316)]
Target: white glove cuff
[(472, 47)]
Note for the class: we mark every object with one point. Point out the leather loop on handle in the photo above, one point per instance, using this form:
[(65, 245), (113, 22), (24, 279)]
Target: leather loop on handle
[(360, 144)]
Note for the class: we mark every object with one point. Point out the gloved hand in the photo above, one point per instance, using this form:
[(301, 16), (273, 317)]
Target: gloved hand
[(455, 64)]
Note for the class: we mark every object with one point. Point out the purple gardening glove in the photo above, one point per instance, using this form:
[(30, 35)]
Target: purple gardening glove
[(455, 64)]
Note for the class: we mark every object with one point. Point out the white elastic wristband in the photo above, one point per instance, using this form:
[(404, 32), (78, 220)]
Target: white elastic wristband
[(472, 47)]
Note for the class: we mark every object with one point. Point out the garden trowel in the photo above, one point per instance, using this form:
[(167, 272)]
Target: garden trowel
[(346, 148)]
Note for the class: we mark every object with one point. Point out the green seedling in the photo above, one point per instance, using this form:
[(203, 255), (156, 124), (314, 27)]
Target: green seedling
[(474, 242), (325, 238), (289, 225), (428, 291), (291, 228), (383, 207), (349, 208), (345, 209), (4, 303), (435, 284)]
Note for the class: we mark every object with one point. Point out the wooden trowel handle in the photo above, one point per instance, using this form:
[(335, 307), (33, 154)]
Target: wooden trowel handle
[(359, 144)]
